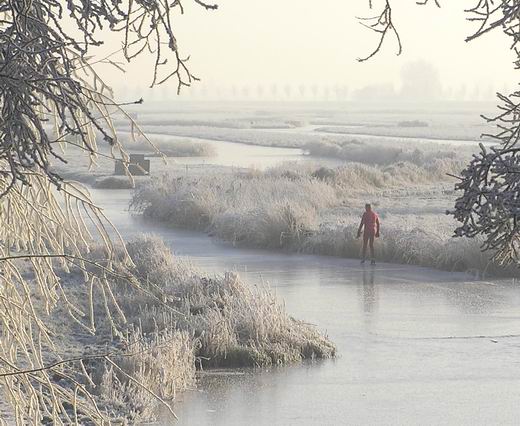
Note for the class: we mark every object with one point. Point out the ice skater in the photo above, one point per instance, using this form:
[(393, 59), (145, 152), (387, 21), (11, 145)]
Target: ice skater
[(370, 227)]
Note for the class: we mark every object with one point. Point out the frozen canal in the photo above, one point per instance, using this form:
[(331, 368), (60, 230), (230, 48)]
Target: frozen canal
[(413, 343)]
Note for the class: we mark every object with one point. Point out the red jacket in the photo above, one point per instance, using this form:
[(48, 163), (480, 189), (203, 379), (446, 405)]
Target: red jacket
[(370, 221)]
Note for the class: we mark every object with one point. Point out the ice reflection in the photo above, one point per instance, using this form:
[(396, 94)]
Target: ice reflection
[(370, 297)]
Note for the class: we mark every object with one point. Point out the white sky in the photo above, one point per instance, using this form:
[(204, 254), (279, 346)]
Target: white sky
[(303, 42)]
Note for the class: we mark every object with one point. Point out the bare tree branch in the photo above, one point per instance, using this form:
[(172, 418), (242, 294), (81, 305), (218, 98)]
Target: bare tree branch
[(51, 96)]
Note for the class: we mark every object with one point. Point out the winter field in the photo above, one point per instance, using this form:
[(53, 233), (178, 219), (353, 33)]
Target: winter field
[(226, 215), (281, 187), (316, 122), (402, 160)]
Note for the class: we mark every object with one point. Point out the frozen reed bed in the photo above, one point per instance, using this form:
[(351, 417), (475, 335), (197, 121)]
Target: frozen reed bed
[(388, 153), (435, 130), (317, 210), (160, 319), (169, 146)]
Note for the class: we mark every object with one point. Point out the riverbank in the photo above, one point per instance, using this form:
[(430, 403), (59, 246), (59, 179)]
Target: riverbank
[(400, 330), (316, 210), (156, 321)]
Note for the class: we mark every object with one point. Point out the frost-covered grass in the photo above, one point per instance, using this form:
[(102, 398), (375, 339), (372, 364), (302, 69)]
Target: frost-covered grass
[(426, 155), (169, 147), (170, 319), (317, 210), (113, 182), (438, 131), (267, 199), (234, 324), (265, 206), (248, 136), (236, 122), (243, 122), (408, 239), (186, 148)]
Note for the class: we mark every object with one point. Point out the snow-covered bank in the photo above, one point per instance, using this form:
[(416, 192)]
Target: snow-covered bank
[(311, 210)]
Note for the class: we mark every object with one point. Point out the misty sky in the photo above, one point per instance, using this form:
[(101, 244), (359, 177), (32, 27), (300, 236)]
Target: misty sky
[(248, 43)]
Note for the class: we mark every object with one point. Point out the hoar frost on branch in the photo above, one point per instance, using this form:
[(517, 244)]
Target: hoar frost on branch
[(50, 97), (489, 204)]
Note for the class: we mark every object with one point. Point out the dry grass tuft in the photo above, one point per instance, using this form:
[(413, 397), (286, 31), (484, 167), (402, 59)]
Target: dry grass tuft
[(233, 324), (114, 182)]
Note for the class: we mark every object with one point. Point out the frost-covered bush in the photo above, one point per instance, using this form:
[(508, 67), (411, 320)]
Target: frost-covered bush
[(381, 154), (261, 209), (113, 182), (232, 324), (174, 318)]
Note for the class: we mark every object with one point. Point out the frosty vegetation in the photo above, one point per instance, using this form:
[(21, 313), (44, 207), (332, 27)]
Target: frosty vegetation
[(169, 147), (158, 322), (461, 131), (172, 321), (92, 330), (316, 210), (489, 204), (429, 156)]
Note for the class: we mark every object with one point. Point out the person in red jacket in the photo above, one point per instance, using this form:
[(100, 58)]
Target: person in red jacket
[(370, 227)]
